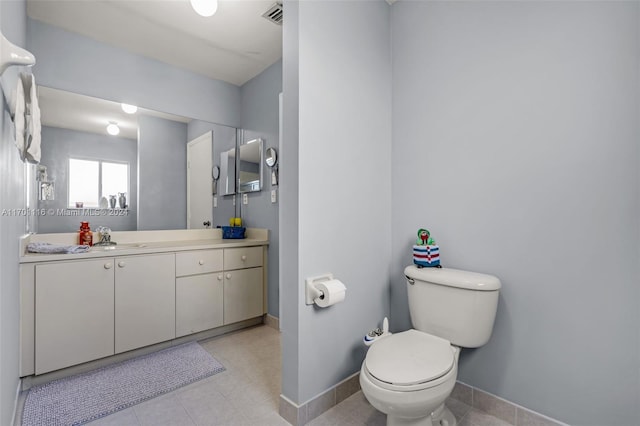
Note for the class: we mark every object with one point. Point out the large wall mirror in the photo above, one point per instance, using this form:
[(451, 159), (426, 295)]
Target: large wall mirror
[(150, 147)]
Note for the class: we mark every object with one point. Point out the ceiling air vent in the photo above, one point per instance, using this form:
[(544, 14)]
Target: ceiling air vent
[(274, 14)]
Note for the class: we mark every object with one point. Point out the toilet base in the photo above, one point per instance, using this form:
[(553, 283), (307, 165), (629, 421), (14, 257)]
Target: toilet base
[(441, 416)]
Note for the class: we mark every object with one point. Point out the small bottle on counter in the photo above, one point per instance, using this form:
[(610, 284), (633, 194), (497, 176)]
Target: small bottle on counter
[(85, 236)]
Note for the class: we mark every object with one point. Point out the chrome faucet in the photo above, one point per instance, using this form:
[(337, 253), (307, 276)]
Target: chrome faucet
[(105, 236)]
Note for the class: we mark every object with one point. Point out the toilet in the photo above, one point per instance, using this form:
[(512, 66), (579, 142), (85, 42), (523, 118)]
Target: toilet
[(409, 375)]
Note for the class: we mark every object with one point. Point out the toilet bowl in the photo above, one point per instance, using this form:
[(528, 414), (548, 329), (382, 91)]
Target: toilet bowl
[(408, 376)]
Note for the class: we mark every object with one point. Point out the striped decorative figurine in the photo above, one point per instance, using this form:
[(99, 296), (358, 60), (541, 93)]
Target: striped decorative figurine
[(426, 255)]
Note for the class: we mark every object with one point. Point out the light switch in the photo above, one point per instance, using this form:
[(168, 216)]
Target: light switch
[(274, 196), (245, 199), (215, 201)]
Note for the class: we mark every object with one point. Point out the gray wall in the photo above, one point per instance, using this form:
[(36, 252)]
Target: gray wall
[(72, 62), (59, 146), (162, 176), (12, 226), (523, 117), (344, 130), (259, 102), (288, 220)]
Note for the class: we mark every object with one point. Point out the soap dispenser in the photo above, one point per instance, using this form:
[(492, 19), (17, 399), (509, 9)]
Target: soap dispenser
[(85, 236)]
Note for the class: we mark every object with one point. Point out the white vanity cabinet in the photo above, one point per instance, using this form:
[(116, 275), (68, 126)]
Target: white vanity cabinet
[(145, 300), (243, 284), (199, 291), (131, 299), (74, 318)]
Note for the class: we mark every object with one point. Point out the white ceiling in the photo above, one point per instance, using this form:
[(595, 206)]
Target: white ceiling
[(234, 45), (79, 112)]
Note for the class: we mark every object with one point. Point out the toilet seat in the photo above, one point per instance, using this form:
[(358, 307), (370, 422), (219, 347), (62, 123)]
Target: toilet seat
[(410, 360)]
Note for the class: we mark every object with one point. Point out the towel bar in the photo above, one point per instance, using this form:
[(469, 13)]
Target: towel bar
[(10, 55)]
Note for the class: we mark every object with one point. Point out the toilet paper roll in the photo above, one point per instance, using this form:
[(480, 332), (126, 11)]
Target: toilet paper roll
[(333, 291)]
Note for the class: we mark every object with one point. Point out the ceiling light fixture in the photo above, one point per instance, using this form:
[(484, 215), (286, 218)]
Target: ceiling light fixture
[(129, 109), (113, 129), (204, 8)]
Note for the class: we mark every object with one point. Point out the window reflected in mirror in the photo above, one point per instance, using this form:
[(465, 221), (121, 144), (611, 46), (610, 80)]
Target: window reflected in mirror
[(91, 180)]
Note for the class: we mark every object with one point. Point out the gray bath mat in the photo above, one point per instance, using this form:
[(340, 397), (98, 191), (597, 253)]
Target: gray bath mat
[(85, 397)]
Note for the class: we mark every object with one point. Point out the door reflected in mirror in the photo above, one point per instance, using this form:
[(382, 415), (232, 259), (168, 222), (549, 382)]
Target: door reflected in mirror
[(250, 167)]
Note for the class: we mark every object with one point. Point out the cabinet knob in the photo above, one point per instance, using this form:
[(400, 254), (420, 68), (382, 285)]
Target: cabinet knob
[(200, 262), (219, 277), (121, 264), (228, 276), (108, 265), (243, 257)]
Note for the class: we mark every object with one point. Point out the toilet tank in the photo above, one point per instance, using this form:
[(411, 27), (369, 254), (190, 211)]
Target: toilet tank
[(459, 306)]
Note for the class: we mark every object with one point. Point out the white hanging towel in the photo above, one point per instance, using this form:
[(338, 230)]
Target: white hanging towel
[(33, 125), (19, 119)]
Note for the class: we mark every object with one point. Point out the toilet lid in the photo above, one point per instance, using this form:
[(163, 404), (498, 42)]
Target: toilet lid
[(409, 358)]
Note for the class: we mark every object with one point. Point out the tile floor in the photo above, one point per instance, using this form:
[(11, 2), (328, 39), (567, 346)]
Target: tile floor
[(247, 393)]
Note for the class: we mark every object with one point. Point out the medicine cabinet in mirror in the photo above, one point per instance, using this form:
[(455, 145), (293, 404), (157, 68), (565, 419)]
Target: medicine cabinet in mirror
[(248, 165)]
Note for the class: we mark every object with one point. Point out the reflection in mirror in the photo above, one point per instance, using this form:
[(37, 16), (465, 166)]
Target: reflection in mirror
[(215, 175), (152, 145), (271, 157), (250, 166), (228, 172), (272, 161)]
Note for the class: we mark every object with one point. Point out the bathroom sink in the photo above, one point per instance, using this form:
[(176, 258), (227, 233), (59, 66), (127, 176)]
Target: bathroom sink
[(129, 246), (102, 248), (133, 245)]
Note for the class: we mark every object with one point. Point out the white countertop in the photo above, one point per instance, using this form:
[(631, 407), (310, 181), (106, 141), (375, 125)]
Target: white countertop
[(144, 242)]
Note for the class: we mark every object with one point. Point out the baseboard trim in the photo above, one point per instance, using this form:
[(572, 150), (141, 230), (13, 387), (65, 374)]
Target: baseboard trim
[(17, 406), (271, 321), (501, 408), (299, 415)]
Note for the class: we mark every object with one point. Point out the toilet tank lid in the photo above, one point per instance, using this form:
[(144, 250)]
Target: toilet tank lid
[(454, 278)]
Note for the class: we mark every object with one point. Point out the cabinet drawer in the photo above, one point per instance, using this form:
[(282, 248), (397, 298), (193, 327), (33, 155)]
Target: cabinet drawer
[(198, 262), (242, 257)]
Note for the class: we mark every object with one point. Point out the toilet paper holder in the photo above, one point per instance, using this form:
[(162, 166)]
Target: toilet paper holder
[(311, 292)]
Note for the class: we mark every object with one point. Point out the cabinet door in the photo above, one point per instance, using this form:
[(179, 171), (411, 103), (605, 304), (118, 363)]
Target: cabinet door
[(145, 309), (243, 294), (198, 303), (74, 318)]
